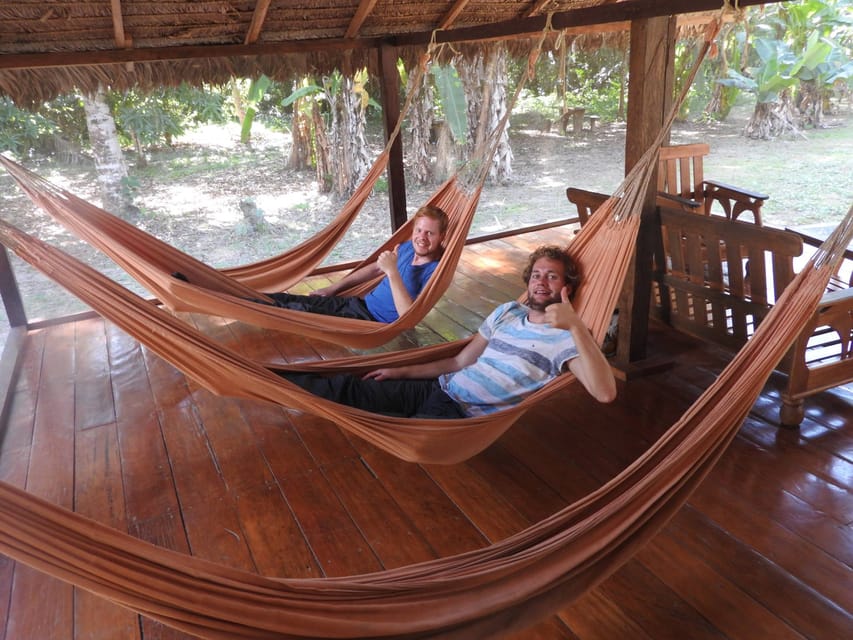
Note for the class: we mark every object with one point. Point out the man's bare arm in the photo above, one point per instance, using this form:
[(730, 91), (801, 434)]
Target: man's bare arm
[(590, 366), (467, 356)]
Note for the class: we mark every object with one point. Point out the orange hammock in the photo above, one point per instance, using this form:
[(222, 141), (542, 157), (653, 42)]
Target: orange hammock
[(501, 588), (225, 372), (231, 293), (151, 262)]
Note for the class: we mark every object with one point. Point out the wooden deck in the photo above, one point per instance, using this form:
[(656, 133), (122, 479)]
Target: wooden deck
[(763, 549)]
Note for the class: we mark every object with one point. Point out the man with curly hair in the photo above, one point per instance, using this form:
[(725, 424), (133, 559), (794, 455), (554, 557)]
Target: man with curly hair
[(516, 351)]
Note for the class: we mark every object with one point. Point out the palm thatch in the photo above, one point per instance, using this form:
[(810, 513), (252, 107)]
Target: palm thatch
[(50, 47)]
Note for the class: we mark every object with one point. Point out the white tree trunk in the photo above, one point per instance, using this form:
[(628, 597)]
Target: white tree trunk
[(471, 74), (501, 169), (484, 82), (421, 121), (352, 162), (109, 162)]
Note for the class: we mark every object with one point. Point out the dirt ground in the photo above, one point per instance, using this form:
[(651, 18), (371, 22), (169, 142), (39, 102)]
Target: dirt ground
[(190, 195)]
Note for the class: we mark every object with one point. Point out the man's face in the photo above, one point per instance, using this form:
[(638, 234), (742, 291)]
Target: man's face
[(547, 279), (427, 237)]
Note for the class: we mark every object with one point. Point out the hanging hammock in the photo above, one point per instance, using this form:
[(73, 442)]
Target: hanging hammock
[(230, 293), (227, 373), (603, 249), (501, 588)]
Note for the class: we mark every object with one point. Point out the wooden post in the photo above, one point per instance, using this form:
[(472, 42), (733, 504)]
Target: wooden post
[(390, 79), (649, 99), (10, 293)]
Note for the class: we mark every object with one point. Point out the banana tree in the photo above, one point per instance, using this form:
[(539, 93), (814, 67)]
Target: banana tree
[(770, 80), (335, 132), (257, 88)]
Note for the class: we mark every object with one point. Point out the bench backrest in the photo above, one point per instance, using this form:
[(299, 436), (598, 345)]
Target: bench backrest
[(719, 277)]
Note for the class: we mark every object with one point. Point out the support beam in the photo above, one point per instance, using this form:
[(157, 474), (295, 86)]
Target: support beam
[(649, 99), (10, 293), (365, 8), (259, 16), (449, 18), (390, 115), (522, 27), (122, 41)]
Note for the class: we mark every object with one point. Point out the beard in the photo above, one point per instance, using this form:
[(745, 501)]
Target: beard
[(541, 304)]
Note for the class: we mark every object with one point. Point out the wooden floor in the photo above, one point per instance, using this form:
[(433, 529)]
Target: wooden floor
[(763, 549)]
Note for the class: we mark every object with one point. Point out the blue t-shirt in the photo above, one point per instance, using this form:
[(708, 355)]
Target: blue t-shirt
[(380, 302), (520, 358)]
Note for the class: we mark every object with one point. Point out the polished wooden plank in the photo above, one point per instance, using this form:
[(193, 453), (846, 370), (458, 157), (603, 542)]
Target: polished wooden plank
[(50, 476), (763, 548)]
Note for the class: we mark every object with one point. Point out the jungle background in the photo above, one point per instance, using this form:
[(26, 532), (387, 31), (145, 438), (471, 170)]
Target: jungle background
[(236, 173)]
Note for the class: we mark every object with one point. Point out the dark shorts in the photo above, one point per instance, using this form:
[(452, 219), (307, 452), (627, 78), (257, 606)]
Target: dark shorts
[(405, 398)]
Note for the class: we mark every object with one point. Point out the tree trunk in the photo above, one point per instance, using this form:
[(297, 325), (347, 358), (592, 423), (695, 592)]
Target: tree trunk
[(109, 163), (353, 161), (501, 169), (322, 151), (484, 83), (470, 72), (420, 126), (771, 119), (300, 134), (810, 104)]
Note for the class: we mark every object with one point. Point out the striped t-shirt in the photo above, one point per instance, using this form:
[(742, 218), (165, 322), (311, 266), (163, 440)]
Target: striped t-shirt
[(521, 356)]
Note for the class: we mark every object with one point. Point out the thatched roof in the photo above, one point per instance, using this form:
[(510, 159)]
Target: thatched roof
[(48, 47)]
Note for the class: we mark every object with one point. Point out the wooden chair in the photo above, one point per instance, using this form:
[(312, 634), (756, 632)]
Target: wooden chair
[(681, 173)]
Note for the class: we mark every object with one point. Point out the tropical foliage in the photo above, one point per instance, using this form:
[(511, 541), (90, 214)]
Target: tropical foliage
[(793, 59)]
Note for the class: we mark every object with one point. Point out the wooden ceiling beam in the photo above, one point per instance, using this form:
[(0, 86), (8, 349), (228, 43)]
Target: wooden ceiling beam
[(259, 16), (582, 17), (450, 17), (586, 17), (160, 54), (365, 8), (121, 38), (537, 7)]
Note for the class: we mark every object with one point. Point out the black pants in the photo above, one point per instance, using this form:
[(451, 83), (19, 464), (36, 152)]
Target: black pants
[(405, 398), (341, 306)]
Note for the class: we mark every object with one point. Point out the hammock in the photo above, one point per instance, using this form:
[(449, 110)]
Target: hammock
[(231, 293), (151, 262), (227, 373), (501, 588), (603, 248)]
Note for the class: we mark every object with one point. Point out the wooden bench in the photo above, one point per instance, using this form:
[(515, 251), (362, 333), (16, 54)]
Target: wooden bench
[(713, 295), (822, 355)]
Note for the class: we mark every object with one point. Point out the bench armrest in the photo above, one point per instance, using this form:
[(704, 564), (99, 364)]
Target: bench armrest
[(733, 200), (736, 190), (670, 199)]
